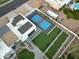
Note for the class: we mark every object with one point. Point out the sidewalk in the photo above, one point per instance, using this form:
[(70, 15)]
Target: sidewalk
[(6, 3)]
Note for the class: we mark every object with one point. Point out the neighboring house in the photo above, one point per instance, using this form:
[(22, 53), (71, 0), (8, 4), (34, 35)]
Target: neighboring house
[(57, 4), (21, 27), (52, 14), (6, 52)]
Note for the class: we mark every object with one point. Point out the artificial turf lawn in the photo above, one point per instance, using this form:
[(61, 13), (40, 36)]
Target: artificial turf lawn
[(43, 40), (25, 54), (54, 48), (3, 1)]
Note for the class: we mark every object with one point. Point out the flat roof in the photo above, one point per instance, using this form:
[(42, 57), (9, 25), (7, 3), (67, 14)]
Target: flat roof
[(4, 49), (57, 4), (25, 27), (52, 14), (17, 19)]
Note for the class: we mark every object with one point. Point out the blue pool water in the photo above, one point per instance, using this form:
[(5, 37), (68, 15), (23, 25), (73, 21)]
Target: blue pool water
[(36, 18), (76, 6), (45, 25), (41, 22)]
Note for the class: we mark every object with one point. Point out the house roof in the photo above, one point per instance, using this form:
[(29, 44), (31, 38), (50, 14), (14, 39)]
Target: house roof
[(57, 3), (4, 49), (17, 19), (22, 28), (25, 27)]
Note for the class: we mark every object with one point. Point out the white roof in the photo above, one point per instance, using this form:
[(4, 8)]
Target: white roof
[(57, 3), (24, 36), (52, 14), (3, 49)]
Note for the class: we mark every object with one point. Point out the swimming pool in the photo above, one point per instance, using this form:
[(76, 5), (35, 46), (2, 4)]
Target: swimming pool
[(76, 6), (41, 22), (37, 18), (45, 25)]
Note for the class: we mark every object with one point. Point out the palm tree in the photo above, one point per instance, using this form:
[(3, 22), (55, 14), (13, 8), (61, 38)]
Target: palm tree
[(74, 53)]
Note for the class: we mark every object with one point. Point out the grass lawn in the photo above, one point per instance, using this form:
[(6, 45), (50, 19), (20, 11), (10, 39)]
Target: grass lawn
[(54, 48), (43, 40), (25, 54), (3, 1)]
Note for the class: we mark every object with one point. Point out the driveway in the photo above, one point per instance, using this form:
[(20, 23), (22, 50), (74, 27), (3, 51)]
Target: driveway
[(4, 30)]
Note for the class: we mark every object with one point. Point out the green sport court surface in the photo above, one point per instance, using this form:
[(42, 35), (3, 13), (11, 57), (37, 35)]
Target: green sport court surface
[(42, 41), (54, 48), (25, 54)]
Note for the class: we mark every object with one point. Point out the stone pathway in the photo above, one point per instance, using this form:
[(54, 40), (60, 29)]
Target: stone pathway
[(38, 53)]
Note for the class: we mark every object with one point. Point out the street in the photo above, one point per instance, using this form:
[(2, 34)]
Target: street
[(11, 6)]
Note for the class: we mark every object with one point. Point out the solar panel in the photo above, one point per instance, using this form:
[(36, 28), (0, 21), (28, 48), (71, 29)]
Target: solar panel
[(25, 27), (17, 19)]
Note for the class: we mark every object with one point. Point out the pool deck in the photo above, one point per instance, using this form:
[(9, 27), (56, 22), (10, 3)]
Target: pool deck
[(41, 22)]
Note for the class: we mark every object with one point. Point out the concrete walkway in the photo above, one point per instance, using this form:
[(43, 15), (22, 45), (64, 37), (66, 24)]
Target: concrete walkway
[(38, 53)]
